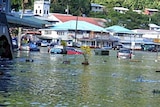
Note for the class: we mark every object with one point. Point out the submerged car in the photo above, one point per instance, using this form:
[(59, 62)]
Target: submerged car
[(117, 47), (33, 47), (73, 51), (44, 43), (124, 53), (56, 49), (29, 47)]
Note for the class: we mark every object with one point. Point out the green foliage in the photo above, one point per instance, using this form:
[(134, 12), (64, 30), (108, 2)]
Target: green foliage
[(76, 7), (63, 43), (131, 20), (17, 4)]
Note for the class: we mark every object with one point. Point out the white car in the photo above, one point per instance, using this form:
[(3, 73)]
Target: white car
[(44, 44), (24, 47), (124, 53)]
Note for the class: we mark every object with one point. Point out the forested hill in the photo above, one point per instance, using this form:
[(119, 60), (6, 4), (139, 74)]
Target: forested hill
[(79, 7), (131, 4)]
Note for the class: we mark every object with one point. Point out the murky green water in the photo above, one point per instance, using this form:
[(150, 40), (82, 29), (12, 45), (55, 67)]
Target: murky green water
[(106, 82)]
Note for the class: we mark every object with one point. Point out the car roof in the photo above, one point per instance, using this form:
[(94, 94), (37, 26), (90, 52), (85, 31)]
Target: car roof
[(124, 49)]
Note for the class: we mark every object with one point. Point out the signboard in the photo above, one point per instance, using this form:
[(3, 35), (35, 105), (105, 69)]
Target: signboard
[(156, 40)]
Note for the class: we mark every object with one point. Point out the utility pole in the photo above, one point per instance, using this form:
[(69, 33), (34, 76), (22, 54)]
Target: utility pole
[(20, 28)]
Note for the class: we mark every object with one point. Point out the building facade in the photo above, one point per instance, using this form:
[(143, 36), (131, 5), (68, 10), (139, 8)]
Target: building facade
[(42, 7), (5, 6)]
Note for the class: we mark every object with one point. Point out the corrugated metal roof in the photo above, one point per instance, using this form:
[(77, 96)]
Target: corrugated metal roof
[(96, 5), (29, 21), (118, 29), (81, 25), (65, 18)]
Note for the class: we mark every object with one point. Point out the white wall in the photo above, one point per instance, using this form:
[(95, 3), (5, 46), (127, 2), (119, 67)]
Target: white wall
[(49, 33), (42, 8)]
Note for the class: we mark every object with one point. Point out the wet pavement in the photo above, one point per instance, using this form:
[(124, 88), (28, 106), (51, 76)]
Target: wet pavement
[(40, 79)]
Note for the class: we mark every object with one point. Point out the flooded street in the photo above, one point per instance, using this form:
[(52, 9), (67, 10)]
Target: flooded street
[(45, 81)]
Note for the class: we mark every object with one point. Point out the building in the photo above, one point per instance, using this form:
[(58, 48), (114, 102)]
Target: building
[(149, 11), (81, 32), (96, 7), (120, 9), (153, 27), (66, 17), (42, 7)]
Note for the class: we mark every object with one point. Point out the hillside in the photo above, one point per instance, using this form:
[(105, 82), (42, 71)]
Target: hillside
[(112, 17), (131, 4)]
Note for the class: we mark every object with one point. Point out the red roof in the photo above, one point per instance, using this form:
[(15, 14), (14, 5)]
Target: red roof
[(65, 17)]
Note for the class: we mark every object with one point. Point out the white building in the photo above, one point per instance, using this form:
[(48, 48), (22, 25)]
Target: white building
[(150, 34), (120, 9), (154, 27), (96, 7), (42, 7)]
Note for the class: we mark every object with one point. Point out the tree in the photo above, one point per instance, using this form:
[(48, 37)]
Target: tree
[(76, 7), (86, 53)]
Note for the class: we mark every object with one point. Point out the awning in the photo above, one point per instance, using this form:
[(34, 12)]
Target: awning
[(29, 21)]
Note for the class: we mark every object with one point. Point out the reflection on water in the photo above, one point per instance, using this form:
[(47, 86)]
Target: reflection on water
[(44, 81)]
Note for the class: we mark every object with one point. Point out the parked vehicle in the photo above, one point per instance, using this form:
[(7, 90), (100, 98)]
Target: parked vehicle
[(124, 53), (44, 43), (38, 43), (56, 49), (73, 51), (29, 47), (15, 44), (117, 47), (33, 47), (107, 47), (24, 47)]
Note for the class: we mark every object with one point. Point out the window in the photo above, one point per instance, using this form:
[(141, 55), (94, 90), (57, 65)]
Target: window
[(40, 11), (60, 33), (44, 12), (47, 32), (36, 11)]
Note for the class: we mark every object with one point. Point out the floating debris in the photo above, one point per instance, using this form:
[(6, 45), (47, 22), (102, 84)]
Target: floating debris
[(156, 91), (29, 60), (135, 60), (66, 62), (1, 72)]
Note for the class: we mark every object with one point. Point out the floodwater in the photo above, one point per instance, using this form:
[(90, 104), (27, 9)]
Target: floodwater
[(45, 81)]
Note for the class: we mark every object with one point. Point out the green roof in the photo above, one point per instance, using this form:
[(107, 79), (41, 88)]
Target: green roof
[(81, 25), (118, 29)]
